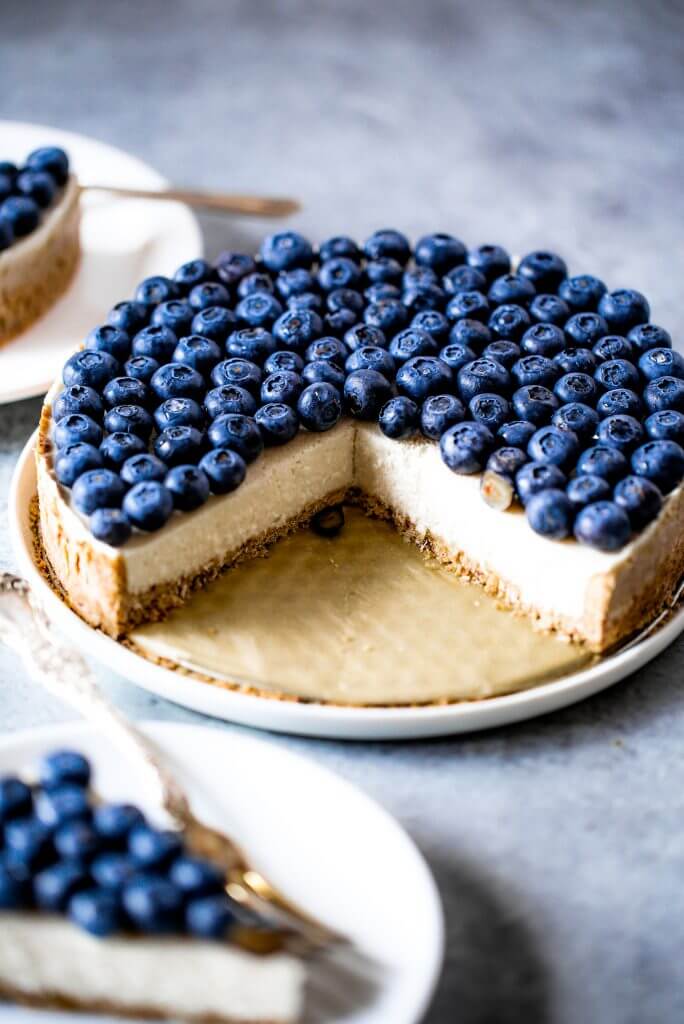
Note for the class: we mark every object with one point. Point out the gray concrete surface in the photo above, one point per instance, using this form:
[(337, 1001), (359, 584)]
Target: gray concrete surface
[(558, 844)]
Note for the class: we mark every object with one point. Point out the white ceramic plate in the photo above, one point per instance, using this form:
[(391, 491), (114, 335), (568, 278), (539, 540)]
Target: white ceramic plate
[(313, 719), (326, 844), (123, 241)]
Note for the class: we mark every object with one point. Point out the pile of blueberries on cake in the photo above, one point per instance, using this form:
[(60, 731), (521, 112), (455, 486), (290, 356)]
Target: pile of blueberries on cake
[(101, 864), (26, 191), (561, 393)]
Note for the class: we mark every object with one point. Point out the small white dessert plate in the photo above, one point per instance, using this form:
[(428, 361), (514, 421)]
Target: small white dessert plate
[(123, 241), (313, 719), (321, 840)]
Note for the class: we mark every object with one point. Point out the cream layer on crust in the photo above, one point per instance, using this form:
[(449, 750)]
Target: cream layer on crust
[(35, 271), (584, 594), (47, 961)]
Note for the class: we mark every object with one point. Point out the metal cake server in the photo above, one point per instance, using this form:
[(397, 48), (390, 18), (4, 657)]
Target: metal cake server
[(344, 977), (219, 202)]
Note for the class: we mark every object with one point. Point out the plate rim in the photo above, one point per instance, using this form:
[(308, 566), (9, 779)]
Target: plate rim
[(64, 732), (313, 718)]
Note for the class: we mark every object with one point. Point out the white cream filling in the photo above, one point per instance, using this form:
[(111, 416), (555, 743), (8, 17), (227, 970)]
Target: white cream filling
[(172, 977)]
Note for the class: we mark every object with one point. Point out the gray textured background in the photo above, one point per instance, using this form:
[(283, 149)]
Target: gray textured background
[(557, 845)]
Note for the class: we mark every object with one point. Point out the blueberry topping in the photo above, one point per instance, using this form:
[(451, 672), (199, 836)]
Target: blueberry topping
[(464, 279), (603, 525), (550, 513), (225, 470), (239, 433), (97, 911), (505, 352), (612, 346), (555, 446), (157, 342), (489, 409), (283, 386), (231, 267), (339, 245), (78, 398), (516, 433), (506, 461), (294, 282), (110, 525), (131, 418), (321, 370), (331, 349), (586, 489), (177, 315), (195, 877), (77, 427), (535, 477), (154, 290), (185, 412), (139, 468), (277, 422), (365, 393), (77, 841), (297, 328), (581, 419), (28, 841), (603, 460), (260, 309), (125, 391), (640, 499), (240, 372), (178, 380), (344, 298), (319, 407), (432, 321), (129, 317), (21, 214), (51, 160), (148, 505), (576, 387), (90, 368), (110, 339), (210, 917), (509, 321), (365, 334), (399, 418), (198, 352), (227, 398), (114, 821), (440, 412), (207, 295), (118, 447), (620, 431), (585, 329), (535, 403), (142, 368), (661, 462), (153, 904), (480, 376), (64, 767), (422, 376), (113, 870), (511, 288), (97, 488), (389, 315), (465, 447), (624, 309), (179, 445), (582, 293), (543, 340), (54, 886), (192, 273), (188, 486)]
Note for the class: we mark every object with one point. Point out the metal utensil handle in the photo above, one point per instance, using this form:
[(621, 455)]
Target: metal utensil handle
[(62, 670), (222, 202)]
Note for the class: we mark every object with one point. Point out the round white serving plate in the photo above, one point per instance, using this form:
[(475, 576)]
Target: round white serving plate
[(302, 826), (313, 719), (123, 241)]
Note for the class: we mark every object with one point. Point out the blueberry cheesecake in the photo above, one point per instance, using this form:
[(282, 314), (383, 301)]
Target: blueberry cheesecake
[(102, 912), (39, 236), (522, 425)]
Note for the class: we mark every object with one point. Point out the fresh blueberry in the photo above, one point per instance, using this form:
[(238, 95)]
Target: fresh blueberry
[(505, 352), (51, 159), (181, 412), (603, 460), (344, 298), (114, 821), (575, 360), (661, 462), (365, 334), (465, 447), (410, 343), (237, 432), (178, 380), (296, 329), (177, 446), (89, 368), (472, 333), (15, 884), (422, 376), (616, 373), (661, 362), (9, 169), (54, 886), (667, 425), (490, 260), (535, 403), (586, 489), (365, 393), (78, 398), (434, 322), (157, 342), (177, 315), (208, 295), (339, 322), (36, 185), (252, 343), (284, 360), (154, 290), (534, 370), (439, 413), (418, 277), (543, 340), (97, 488), (323, 370), (215, 323), (425, 297), (389, 315), (283, 386), (640, 499), (97, 911), (285, 250), (619, 400), (319, 407), (16, 800), (126, 391), (227, 398), (399, 418), (339, 272), (188, 486), (664, 393), (129, 418), (384, 270), (578, 418), (457, 355), (225, 470), (28, 841), (240, 372), (464, 279), (544, 269), (113, 870), (143, 467), (480, 376), (471, 305), (196, 877), (118, 447), (76, 427), (231, 267), (142, 368), (582, 292), (440, 252), (259, 310), (110, 339), (554, 445), (148, 504), (62, 767), (110, 525), (511, 289), (62, 803), (585, 329), (612, 346), (330, 349), (549, 309), (257, 282), (379, 292), (339, 245), (551, 514), (294, 282), (153, 848), (646, 336), (21, 214), (192, 273), (387, 242), (516, 433), (603, 525), (6, 234), (506, 461), (129, 317), (198, 352), (75, 460), (576, 387), (535, 477), (624, 309), (509, 321), (620, 431), (489, 409), (6, 185), (277, 422), (153, 904), (210, 917), (76, 841)]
